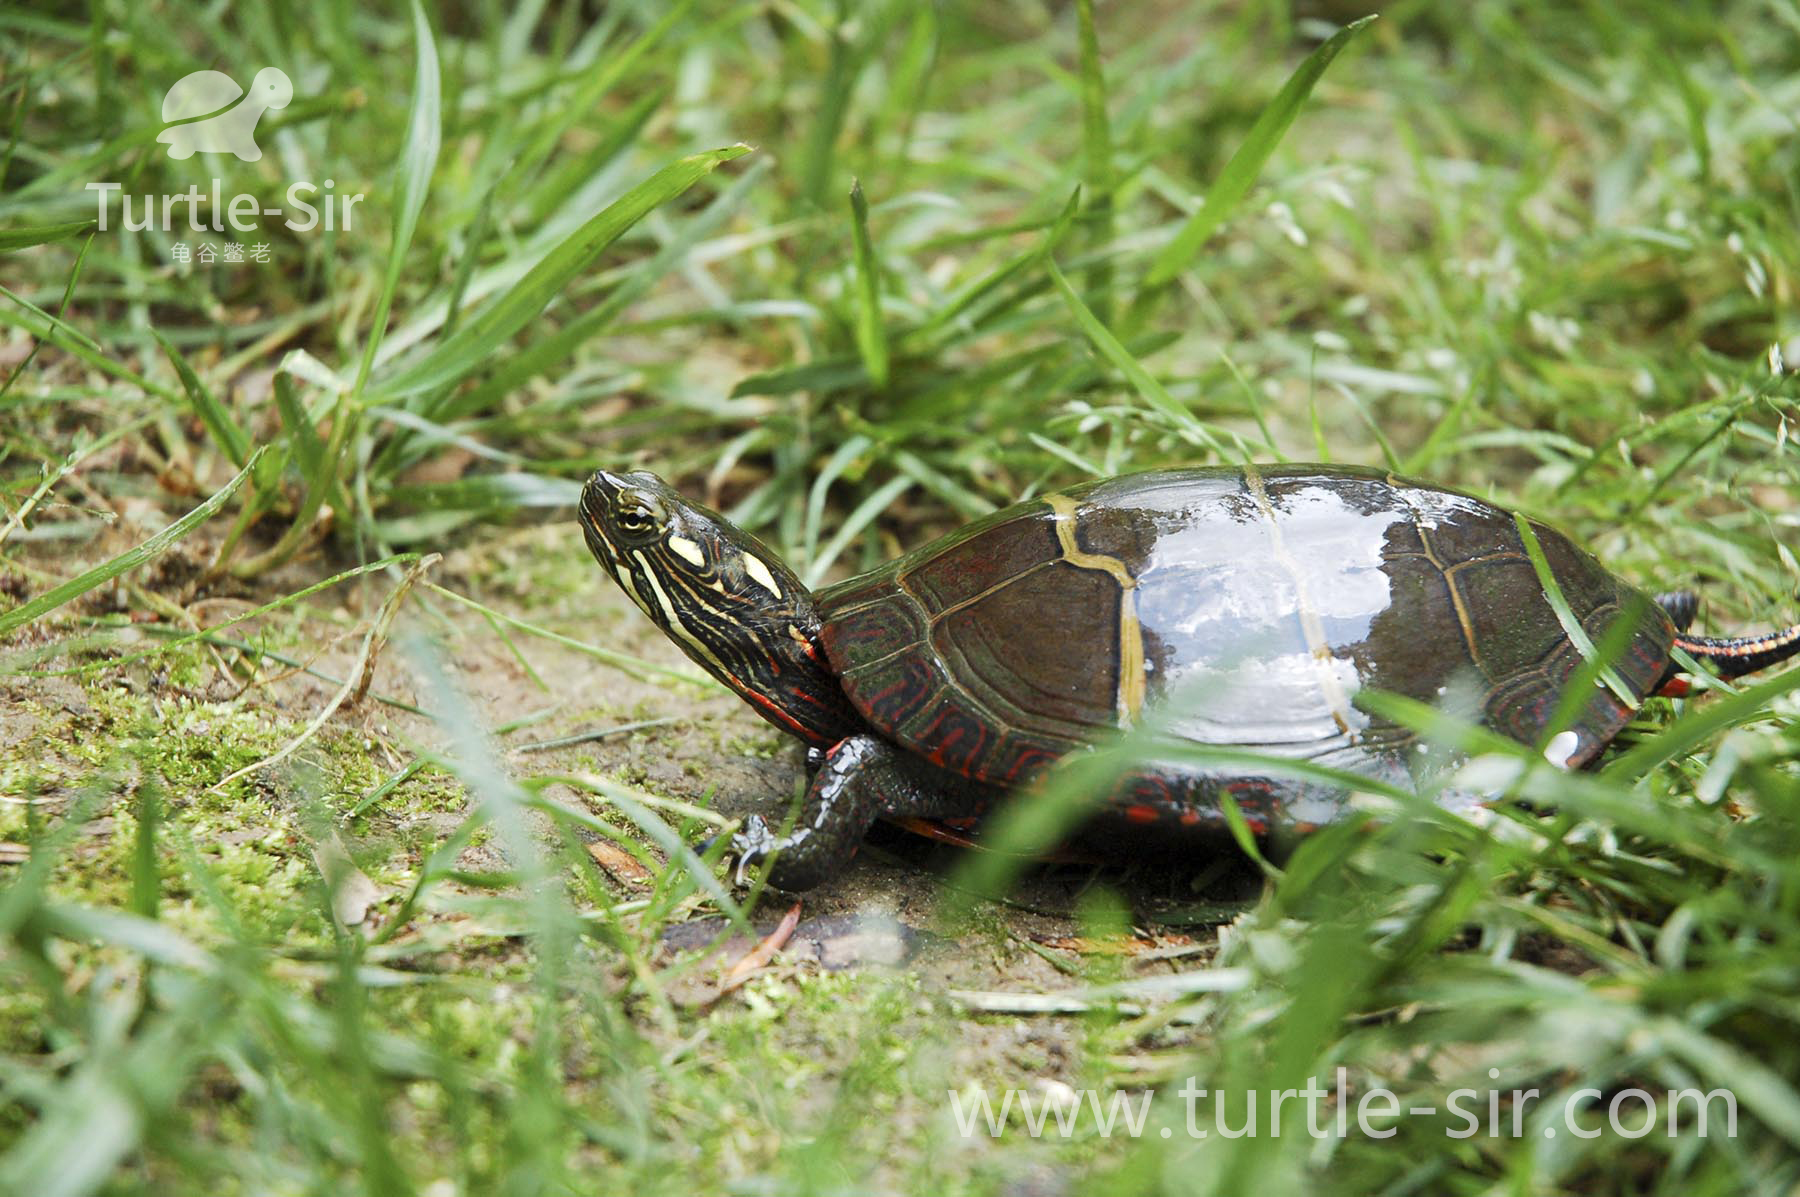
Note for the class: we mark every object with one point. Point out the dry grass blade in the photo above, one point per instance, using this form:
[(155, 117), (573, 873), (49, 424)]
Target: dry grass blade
[(357, 684), (763, 952), (130, 559), (620, 865)]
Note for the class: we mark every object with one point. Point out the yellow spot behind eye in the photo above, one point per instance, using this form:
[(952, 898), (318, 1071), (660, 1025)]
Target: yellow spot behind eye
[(759, 573), (688, 551)]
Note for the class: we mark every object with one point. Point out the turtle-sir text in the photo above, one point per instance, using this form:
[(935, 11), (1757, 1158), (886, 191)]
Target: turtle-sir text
[(209, 212)]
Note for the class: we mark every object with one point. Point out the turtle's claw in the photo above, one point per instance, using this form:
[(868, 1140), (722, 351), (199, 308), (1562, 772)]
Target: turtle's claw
[(752, 844)]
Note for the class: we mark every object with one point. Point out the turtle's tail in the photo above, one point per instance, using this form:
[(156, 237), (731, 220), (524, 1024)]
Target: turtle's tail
[(1733, 656)]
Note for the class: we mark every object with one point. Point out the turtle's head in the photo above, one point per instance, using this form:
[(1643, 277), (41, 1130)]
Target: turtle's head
[(719, 593)]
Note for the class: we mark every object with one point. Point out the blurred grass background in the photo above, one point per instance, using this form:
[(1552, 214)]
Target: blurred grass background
[(853, 273)]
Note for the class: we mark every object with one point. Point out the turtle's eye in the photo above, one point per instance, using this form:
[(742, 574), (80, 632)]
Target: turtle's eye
[(639, 513)]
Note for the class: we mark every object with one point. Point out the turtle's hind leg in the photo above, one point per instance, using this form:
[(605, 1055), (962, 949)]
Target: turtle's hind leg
[(861, 779)]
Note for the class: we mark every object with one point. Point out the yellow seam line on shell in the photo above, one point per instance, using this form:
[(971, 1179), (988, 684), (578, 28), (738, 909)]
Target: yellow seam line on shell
[(1131, 632), (1311, 627), (1448, 573)]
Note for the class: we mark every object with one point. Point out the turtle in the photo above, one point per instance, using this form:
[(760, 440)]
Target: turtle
[(1251, 607), (233, 129)]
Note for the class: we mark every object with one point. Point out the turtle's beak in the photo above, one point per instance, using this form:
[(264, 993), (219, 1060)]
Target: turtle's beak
[(602, 491), (596, 500)]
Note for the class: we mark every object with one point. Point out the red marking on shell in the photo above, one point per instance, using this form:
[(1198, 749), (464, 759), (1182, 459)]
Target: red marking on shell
[(957, 739), (1139, 813), (1028, 759)]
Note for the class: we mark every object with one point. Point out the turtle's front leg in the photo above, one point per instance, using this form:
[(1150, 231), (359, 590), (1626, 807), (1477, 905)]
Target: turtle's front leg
[(861, 779)]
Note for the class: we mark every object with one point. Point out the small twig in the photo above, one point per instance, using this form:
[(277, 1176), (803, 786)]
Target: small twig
[(383, 621), (1124, 997), (598, 734)]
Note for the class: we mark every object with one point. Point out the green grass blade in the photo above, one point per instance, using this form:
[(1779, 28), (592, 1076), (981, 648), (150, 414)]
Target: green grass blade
[(634, 665), (865, 513), (994, 279), (418, 159), (303, 434), (42, 234), (1571, 626), (823, 480), (546, 352), (820, 153), (218, 420), (130, 559), (66, 336), (1246, 164), (146, 874), (1141, 379), (505, 491), (871, 340), (1096, 156), (1769, 1095), (1701, 723), (468, 348), (664, 837), (601, 77)]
